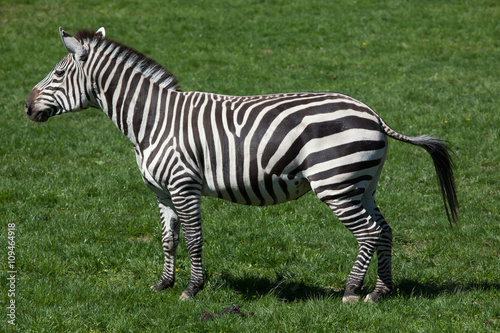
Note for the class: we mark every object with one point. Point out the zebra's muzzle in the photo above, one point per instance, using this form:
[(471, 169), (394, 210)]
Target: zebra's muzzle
[(39, 116), (30, 108)]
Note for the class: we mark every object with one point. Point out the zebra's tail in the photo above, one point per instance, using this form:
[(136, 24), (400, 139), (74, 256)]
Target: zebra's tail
[(440, 153)]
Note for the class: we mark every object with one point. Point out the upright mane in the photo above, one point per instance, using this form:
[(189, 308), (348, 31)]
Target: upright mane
[(142, 63)]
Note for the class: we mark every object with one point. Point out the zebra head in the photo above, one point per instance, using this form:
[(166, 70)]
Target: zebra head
[(65, 88)]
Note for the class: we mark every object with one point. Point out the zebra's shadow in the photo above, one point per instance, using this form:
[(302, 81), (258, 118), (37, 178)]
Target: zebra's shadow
[(410, 288), (289, 290), (283, 288)]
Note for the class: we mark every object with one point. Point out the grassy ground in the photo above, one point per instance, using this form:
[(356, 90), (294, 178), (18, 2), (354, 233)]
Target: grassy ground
[(87, 234)]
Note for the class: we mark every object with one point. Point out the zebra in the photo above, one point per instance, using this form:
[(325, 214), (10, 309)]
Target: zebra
[(253, 150)]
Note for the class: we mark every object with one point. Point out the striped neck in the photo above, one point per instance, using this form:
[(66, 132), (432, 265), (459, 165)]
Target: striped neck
[(123, 81)]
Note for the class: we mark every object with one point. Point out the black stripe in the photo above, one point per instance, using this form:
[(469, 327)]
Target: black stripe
[(121, 97), (348, 168), (345, 184), (150, 122), (344, 196), (333, 153), (161, 120), (139, 111), (128, 99)]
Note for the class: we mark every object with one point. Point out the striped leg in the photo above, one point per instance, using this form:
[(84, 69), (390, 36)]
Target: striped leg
[(170, 239), (384, 255), (384, 245), (367, 232), (187, 205)]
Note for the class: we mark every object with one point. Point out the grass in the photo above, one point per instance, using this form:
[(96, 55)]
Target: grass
[(87, 229)]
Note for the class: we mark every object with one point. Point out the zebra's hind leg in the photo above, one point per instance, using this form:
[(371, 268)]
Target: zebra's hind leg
[(367, 232), (170, 239), (384, 255)]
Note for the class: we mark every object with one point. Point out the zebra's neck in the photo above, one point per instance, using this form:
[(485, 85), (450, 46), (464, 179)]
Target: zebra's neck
[(140, 107), (127, 85)]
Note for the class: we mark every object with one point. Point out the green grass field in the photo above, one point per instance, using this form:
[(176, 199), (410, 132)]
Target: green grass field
[(87, 231)]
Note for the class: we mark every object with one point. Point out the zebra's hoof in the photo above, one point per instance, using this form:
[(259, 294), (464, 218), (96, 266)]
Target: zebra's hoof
[(191, 291), (376, 295), (184, 296), (371, 298), (162, 284), (350, 299)]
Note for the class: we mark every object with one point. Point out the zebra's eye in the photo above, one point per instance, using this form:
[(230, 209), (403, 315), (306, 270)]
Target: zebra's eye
[(59, 72)]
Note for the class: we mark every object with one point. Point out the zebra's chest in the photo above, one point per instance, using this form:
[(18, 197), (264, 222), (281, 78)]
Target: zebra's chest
[(152, 166)]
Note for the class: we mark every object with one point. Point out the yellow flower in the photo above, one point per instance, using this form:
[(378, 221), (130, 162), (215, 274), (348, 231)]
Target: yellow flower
[(467, 119), (176, 270), (446, 121), (364, 44), (154, 272)]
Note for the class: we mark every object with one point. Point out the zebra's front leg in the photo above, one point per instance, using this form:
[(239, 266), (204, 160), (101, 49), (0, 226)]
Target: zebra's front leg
[(170, 239), (188, 208)]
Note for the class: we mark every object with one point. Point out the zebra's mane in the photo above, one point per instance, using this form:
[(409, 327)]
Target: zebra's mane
[(149, 67)]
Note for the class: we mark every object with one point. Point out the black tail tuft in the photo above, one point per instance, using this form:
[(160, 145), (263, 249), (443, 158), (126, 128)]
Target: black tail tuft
[(440, 153)]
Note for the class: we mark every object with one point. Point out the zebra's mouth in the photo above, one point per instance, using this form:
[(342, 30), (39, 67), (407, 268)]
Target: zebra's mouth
[(41, 116), (38, 116)]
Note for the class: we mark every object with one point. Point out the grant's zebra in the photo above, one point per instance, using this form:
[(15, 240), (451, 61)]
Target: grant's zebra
[(254, 150)]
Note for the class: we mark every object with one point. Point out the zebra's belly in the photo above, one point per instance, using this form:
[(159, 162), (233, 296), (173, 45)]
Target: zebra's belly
[(269, 190), (296, 187)]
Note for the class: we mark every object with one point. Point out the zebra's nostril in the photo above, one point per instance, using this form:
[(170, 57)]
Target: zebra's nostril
[(27, 109)]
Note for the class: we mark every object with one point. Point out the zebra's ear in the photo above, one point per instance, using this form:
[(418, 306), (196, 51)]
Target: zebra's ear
[(101, 32), (73, 46)]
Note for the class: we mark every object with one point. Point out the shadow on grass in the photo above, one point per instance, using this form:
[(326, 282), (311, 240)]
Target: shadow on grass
[(284, 289), (288, 290), (412, 288)]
